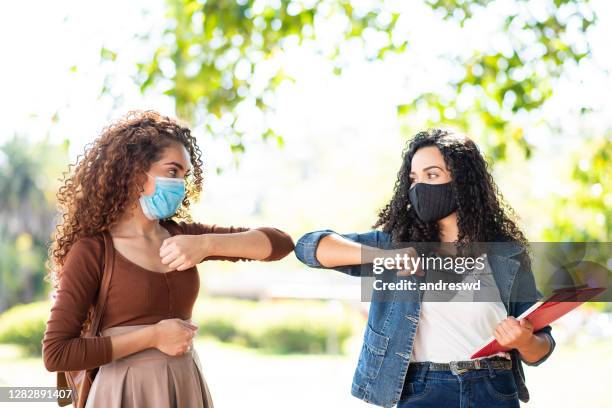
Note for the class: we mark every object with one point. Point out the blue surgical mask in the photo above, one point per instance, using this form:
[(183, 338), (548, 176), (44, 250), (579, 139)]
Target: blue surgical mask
[(165, 200)]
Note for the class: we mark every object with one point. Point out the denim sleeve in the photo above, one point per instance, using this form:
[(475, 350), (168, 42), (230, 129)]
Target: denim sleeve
[(306, 248), (527, 291)]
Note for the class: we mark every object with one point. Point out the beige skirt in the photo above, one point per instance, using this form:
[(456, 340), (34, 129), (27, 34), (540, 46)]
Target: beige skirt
[(149, 378)]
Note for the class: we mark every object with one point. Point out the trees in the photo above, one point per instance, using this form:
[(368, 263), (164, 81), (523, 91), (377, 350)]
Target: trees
[(218, 54), (26, 215)]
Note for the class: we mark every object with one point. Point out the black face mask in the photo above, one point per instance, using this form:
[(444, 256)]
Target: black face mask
[(432, 202)]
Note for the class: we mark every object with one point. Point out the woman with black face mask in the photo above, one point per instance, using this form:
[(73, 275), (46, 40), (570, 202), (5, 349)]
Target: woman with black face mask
[(417, 351)]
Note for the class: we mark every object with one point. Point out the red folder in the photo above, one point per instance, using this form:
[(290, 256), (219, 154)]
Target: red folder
[(544, 312)]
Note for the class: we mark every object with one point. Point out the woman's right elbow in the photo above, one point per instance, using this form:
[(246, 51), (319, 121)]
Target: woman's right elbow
[(51, 365), (51, 360)]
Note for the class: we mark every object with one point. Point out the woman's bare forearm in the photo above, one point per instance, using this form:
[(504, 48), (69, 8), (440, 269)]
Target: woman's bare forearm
[(335, 250), (133, 342), (252, 244), (536, 348)]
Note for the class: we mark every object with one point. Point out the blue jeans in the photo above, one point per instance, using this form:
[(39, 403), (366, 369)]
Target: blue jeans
[(472, 389)]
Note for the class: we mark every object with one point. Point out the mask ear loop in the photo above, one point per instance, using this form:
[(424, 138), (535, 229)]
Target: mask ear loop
[(409, 205)]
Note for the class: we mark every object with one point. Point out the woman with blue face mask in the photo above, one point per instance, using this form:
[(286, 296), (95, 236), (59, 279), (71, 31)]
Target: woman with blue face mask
[(417, 345), (134, 186)]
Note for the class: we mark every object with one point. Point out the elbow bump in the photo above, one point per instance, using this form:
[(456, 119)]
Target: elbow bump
[(287, 248), (300, 256)]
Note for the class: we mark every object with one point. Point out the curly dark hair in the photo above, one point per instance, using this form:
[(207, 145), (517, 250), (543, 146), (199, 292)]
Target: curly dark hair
[(110, 175), (482, 214)]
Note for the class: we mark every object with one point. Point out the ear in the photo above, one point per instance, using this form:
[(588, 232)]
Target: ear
[(149, 185)]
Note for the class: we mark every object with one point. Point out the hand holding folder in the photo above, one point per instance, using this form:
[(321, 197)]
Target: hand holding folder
[(544, 312)]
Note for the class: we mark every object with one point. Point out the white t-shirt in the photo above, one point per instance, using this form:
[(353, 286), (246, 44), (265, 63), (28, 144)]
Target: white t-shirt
[(454, 330)]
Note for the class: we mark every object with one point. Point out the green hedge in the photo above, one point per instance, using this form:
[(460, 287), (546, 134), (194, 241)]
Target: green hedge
[(25, 325), (287, 326)]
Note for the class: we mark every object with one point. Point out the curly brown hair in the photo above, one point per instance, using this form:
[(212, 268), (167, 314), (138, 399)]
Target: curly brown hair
[(482, 214), (110, 175)]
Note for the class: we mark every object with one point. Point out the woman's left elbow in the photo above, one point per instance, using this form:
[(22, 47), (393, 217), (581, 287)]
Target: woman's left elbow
[(282, 243)]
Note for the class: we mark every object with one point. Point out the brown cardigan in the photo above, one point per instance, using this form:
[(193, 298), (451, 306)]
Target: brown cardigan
[(136, 295)]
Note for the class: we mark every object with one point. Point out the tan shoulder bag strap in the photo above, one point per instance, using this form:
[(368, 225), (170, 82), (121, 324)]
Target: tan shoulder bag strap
[(65, 380), (109, 257)]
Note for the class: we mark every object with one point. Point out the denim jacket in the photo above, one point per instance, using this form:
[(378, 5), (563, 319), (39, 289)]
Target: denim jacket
[(391, 327)]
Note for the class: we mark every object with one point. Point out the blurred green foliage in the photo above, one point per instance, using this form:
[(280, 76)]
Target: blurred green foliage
[(27, 209), (24, 325), (500, 83), (279, 326), (584, 211), (213, 49)]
